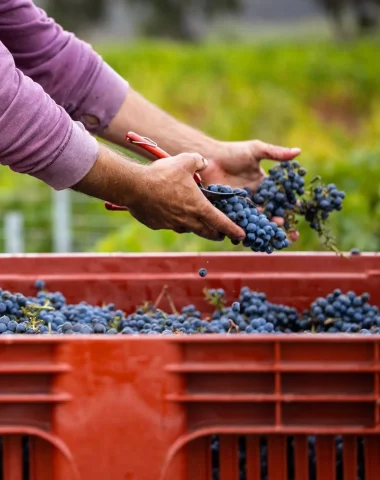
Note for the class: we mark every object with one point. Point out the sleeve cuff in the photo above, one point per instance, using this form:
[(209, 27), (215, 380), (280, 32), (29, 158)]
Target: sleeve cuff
[(74, 162), (104, 99)]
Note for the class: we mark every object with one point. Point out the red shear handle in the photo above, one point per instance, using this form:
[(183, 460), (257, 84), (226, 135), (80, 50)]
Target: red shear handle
[(112, 207), (151, 147), (146, 144)]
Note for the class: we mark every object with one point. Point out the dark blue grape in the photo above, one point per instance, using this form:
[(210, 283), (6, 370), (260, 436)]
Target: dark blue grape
[(202, 272), (39, 284), (4, 319), (21, 327), (236, 307)]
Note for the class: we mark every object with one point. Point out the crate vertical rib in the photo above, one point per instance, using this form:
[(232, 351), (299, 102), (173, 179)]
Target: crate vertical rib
[(301, 457), (253, 464), (277, 384), (199, 454), (277, 457), (376, 382), (372, 457), (325, 450), (350, 457), (372, 443), (229, 458), (40, 460), (12, 457)]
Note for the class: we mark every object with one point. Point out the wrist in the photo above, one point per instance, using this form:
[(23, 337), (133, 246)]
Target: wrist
[(219, 154), (212, 149), (113, 178)]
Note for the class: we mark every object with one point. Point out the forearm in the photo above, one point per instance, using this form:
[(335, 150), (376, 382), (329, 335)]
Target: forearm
[(139, 115)]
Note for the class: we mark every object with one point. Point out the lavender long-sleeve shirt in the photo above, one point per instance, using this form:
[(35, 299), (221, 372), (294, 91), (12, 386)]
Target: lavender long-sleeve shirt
[(47, 75)]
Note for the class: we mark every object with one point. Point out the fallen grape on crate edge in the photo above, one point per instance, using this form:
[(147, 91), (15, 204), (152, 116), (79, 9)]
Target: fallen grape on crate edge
[(202, 272)]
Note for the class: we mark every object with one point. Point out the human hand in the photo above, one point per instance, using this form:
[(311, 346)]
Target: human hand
[(168, 198)]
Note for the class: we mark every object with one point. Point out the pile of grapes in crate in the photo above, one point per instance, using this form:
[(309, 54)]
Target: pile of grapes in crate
[(251, 313), (284, 196)]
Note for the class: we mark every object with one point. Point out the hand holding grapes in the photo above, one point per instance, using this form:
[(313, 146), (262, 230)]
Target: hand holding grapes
[(170, 199), (238, 164), (162, 195)]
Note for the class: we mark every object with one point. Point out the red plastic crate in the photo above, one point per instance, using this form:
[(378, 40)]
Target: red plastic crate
[(144, 408)]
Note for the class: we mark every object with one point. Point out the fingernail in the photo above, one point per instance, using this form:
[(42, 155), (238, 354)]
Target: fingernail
[(295, 150), (205, 162)]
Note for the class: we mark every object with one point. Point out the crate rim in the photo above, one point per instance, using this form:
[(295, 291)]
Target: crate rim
[(197, 338), (181, 255)]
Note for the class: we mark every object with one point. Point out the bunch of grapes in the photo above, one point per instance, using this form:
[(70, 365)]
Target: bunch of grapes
[(284, 194), (338, 312), (320, 203), (277, 194), (262, 235)]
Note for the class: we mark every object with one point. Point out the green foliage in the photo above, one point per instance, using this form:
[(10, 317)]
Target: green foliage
[(321, 97)]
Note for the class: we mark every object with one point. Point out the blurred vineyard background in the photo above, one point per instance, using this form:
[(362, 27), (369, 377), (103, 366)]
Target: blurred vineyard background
[(321, 94)]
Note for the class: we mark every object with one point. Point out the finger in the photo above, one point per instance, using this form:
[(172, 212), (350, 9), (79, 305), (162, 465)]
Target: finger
[(215, 219), (205, 231), (273, 152), (192, 162), (182, 230), (195, 225), (294, 236)]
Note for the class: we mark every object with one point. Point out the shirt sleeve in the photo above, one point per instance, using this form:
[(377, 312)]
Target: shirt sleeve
[(37, 136), (67, 68)]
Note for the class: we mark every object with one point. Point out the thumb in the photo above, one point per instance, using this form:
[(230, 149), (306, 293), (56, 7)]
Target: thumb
[(192, 162)]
